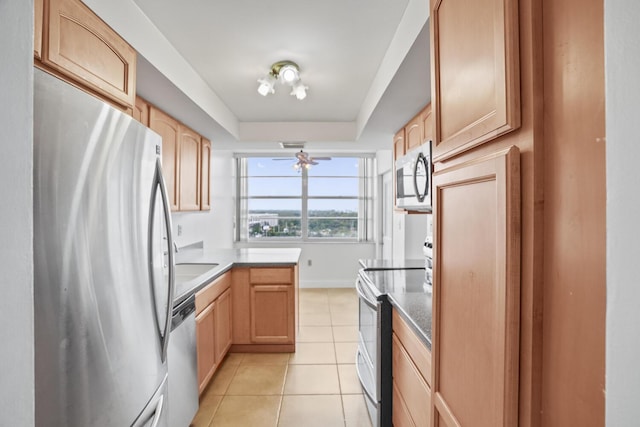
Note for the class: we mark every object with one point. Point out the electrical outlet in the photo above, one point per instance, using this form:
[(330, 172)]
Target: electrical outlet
[(309, 263), (179, 230)]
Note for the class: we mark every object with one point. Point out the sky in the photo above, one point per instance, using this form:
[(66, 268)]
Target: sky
[(323, 181)]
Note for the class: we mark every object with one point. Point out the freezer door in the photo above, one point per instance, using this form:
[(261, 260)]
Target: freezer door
[(101, 290)]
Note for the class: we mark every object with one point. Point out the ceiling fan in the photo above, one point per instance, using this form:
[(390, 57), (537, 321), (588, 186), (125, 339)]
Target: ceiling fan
[(305, 160)]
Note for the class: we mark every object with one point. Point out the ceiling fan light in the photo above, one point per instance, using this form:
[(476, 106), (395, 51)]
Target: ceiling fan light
[(299, 91)]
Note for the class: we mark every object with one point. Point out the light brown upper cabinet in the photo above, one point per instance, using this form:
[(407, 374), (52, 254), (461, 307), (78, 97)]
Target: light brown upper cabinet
[(141, 111), (413, 132), (77, 44), (476, 292), (169, 130), (475, 69), (189, 182), (38, 16), (427, 123), (399, 147), (205, 176)]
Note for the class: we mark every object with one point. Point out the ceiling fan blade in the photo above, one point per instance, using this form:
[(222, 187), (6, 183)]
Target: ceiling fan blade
[(321, 158), (288, 158), (312, 162)]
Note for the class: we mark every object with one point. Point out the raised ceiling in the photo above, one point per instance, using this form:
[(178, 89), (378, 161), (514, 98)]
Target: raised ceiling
[(214, 52)]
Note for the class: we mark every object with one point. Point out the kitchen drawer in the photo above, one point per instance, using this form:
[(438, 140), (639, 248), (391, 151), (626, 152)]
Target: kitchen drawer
[(400, 416), (277, 276), (419, 353), (209, 293), (411, 386)]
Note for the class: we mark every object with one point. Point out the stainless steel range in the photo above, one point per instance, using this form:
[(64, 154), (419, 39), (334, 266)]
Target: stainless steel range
[(373, 358)]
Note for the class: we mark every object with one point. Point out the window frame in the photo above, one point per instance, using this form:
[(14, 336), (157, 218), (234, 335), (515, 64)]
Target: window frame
[(365, 201)]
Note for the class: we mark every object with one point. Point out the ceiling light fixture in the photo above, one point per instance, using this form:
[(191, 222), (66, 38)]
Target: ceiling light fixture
[(288, 73)]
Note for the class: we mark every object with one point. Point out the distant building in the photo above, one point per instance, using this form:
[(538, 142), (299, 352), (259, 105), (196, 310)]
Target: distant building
[(270, 219)]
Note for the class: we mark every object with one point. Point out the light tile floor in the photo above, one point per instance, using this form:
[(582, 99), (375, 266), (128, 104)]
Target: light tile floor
[(315, 386)]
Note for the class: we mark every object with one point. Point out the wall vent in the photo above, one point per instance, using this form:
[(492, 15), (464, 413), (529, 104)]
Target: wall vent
[(298, 145)]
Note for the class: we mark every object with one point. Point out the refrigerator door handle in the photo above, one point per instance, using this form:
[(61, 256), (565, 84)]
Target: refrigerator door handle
[(159, 183), (157, 413)]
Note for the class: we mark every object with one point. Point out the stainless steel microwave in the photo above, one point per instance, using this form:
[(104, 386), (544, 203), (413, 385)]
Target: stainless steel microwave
[(413, 179)]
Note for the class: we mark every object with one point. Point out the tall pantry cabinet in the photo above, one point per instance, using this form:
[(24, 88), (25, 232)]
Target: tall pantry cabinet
[(519, 201)]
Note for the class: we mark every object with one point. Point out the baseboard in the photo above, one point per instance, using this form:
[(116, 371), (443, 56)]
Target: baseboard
[(327, 283)]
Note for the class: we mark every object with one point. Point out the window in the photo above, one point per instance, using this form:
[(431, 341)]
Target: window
[(329, 201)]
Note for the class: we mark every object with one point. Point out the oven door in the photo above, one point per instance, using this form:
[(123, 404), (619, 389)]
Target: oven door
[(368, 326)]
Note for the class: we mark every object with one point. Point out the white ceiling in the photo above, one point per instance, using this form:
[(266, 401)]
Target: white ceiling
[(365, 62)]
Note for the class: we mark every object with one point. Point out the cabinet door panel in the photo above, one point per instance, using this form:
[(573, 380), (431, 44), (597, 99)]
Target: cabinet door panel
[(413, 133), (476, 291), (475, 72), (399, 146), (411, 385), (141, 111), (205, 329), (223, 325), (80, 45), (38, 16), (168, 128), (241, 305), (205, 176), (189, 170), (427, 123), (272, 314)]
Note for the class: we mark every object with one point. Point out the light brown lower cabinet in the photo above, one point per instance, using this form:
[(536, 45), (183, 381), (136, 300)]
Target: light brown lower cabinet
[(205, 339), (411, 390), (223, 325), (213, 327), (264, 309)]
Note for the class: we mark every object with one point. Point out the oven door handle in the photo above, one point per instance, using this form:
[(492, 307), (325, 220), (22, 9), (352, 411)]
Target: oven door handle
[(373, 304)]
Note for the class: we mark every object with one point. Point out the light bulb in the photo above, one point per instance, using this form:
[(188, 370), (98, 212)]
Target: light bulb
[(289, 74), (266, 85), (299, 91)]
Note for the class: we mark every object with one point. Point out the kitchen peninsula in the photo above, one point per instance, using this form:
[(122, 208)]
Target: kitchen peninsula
[(246, 300)]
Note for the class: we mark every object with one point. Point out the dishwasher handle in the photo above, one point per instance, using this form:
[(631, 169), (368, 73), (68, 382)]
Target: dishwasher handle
[(183, 310)]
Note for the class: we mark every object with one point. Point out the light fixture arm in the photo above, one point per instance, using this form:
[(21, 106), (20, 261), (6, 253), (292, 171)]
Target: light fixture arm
[(276, 67)]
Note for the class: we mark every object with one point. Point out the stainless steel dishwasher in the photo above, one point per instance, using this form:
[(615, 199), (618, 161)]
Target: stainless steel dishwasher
[(183, 364)]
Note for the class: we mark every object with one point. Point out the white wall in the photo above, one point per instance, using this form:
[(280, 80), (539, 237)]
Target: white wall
[(16, 214), (622, 65), (333, 265), (214, 227)]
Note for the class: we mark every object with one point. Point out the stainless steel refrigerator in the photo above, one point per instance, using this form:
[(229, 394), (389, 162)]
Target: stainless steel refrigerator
[(103, 264)]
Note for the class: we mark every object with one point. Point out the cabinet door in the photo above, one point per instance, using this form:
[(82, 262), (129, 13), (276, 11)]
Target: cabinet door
[(141, 111), (399, 147), (205, 330), (189, 181), (38, 16), (168, 128), (272, 314), (427, 123), (241, 303), (475, 84), (476, 292), (223, 325), (413, 133), (205, 176), (82, 47)]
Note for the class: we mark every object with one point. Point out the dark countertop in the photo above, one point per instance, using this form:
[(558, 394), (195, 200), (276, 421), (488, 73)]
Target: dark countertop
[(409, 295), (225, 260)]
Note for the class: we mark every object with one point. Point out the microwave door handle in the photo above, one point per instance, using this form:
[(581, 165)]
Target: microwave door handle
[(420, 194)]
